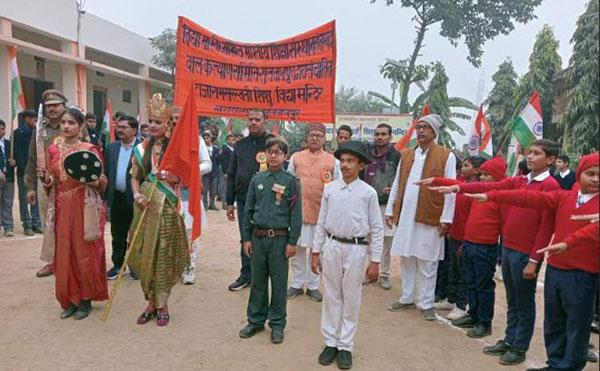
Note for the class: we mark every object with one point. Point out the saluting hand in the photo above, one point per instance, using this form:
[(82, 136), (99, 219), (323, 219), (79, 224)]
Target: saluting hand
[(445, 189), (593, 218), (424, 182), (557, 248), (480, 197)]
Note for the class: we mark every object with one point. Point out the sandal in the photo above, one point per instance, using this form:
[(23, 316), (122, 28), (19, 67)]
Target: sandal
[(163, 319), (146, 317)]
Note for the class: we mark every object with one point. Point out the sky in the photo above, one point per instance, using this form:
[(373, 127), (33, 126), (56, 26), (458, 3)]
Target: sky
[(366, 34)]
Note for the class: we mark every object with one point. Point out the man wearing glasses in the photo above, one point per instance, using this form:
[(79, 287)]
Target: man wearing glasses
[(315, 168)]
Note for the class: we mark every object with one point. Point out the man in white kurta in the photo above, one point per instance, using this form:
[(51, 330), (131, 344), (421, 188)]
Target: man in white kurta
[(315, 168), (419, 245)]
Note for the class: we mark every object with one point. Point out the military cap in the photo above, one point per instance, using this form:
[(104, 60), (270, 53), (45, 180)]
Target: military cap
[(53, 96)]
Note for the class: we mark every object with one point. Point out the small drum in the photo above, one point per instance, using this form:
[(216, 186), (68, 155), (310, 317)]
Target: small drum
[(83, 166)]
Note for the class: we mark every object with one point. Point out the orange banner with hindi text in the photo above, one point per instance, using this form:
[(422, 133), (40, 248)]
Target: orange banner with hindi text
[(291, 79)]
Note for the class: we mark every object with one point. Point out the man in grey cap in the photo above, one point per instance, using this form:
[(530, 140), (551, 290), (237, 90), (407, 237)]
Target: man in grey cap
[(54, 103), (422, 216)]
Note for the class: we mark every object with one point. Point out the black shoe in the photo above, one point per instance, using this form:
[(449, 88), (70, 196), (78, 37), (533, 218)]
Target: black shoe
[(69, 311), (479, 331), (513, 357), (250, 330), (37, 230), (276, 336), (497, 349), (344, 360), (328, 355), (85, 307), (592, 356), (28, 232), (239, 284), (465, 322), (545, 368), (112, 273), (133, 275)]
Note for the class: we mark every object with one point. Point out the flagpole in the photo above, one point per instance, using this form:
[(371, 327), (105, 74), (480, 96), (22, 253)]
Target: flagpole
[(113, 293)]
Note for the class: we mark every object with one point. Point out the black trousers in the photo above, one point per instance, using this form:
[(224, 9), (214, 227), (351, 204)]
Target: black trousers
[(121, 215)]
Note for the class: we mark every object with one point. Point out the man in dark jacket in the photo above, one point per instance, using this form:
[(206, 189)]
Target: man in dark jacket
[(7, 183), (247, 159), (564, 176), (29, 213), (380, 173), (119, 196)]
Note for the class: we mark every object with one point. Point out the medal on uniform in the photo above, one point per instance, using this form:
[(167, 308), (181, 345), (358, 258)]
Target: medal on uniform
[(278, 189), (260, 187), (327, 177), (261, 158)]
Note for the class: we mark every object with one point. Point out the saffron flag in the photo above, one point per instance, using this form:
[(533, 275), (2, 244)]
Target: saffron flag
[(529, 126), (409, 139), (108, 126), (182, 160), (480, 143), (16, 93)]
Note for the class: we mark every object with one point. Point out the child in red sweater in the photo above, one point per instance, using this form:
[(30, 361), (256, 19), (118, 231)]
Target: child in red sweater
[(571, 281), (524, 232), (455, 274), (479, 252)]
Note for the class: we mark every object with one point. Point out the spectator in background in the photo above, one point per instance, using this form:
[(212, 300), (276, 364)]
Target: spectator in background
[(344, 134), (564, 176), (144, 131), (30, 214), (91, 124), (224, 159), (7, 183), (210, 180)]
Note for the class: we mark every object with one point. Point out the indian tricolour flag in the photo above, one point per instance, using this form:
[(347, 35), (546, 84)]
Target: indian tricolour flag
[(108, 126), (514, 157), (17, 98), (409, 139), (529, 127), (480, 143)]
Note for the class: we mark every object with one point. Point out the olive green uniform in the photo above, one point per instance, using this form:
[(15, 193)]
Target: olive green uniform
[(273, 203)]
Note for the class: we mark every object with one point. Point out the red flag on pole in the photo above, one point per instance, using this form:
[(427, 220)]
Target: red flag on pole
[(275, 130), (182, 158)]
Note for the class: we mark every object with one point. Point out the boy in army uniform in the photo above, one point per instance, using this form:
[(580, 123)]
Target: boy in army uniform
[(272, 224)]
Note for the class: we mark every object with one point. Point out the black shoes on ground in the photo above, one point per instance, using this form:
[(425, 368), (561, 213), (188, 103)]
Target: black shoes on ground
[(239, 284), (497, 349), (329, 354), (465, 322), (69, 311), (479, 331), (276, 336), (84, 310), (250, 330)]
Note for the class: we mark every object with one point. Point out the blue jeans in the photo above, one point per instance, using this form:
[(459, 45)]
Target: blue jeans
[(480, 265), (569, 298), (30, 214), (246, 271), (520, 298), (456, 284)]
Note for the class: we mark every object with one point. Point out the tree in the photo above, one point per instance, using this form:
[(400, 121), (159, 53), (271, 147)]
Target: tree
[(352, 100), (544, 64), (500, 101), (473, 21), (436, 97), (165, 44), (580, 121)]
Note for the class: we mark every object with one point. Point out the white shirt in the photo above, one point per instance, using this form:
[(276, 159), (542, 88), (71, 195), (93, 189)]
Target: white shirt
[(205, 161), (350, 210), (413, 239), (582, 198), (563, 174), (540, 178)]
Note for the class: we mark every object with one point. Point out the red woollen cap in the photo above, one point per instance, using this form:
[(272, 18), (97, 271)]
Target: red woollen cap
[(587, 162), (496, 167)]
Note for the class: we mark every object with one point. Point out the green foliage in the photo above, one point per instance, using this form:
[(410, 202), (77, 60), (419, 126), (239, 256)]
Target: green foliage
[(544, 64), (349, 100), (165, 44), (581, 120), (500, 101)]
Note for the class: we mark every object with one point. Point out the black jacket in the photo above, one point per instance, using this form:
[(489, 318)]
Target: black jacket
[(225, 158), (9, 171), (567, 182), (110, 170), (21, 144), (243, 166)]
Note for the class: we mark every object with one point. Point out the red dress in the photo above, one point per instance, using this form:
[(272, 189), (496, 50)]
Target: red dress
[(79, 265)]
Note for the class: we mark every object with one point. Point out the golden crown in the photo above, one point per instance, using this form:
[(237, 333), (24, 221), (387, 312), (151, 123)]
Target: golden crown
[(158, 109)]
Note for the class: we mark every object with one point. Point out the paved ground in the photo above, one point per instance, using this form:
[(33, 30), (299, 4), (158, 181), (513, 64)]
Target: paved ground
[(206, 318)]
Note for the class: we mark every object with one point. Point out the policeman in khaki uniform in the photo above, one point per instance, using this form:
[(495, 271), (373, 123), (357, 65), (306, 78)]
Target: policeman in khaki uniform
[(272, 224), (54, 103)]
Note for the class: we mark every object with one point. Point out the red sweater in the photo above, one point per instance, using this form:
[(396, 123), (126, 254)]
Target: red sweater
[(461, 209), (481, 222), (524, 230), (585, 236), (560, 205)]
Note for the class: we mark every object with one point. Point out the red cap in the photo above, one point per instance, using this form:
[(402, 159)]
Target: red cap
[(586, 162), (496, 167)]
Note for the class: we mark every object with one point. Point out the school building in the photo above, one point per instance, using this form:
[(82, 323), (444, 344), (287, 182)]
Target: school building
[(89, 59)]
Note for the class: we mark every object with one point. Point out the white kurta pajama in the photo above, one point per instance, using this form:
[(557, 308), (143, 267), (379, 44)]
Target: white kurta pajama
[(302, 275), (347, 210), (419, 245)]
